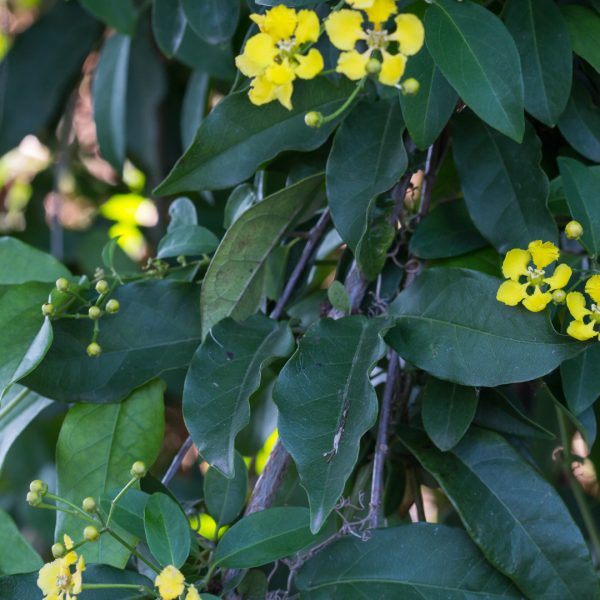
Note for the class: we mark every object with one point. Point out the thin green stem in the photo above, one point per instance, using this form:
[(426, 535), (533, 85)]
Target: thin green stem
[(14, 402), (57, 509), (80, 512), (118, 497), (347, 103), (131, 549)]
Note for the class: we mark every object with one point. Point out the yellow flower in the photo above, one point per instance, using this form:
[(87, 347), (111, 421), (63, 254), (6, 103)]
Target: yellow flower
[(346, 28), (170, 583), (529, 284), (56, 579), (274, 57), (586, 323), (192, 594)]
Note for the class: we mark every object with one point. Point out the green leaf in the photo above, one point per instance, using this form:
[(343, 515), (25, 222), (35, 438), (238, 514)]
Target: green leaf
[(545, 554), (225, 371), (542, 39), (580, 123), (225, 498), (167, 530), (324, 395), (168, 25), (446, 231), (581, 186), (20, 557), (40, 70), (449, 323), (478, 56), (192, 240), (239, 201), (20, 263), (262, 537), (129, 511), (581, 379), (338, 297), (237, 137), (138, 344), (120, 14), (505, 188), (213, 20), (412, 562), (486, 260), (95, 450), (214, 59), (584, 28), (447, 411), (366, 159), (109, 92), (194, 106), (427, 112), (233, 284)]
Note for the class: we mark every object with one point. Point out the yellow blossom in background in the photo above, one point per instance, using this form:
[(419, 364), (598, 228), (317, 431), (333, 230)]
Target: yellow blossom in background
[(274, 57), (529, 284), (586, 323), (346, 28), (170, 583), (192, 594), (57, 580)]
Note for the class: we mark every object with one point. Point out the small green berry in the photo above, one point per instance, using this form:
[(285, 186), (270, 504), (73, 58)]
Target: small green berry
[(33, 498), (573, 230), (94, 313), (410, 86), (94, 350), (138, 469), (89, 504), (62, 284), (112, 306), (559, 296), (38, 486), (373, 66), (58, 550), (48, 309), (90, 533), (102, 286), (313, 119)]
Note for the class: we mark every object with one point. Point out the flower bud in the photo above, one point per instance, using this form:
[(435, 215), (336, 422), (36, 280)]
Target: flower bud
[(559, 296), (90, 533), (48, 309), (89, 504), (313, 119), (373, 66), (102, 286), (58, 550), (573, 230), (94, 313), (93, 350), (38, 486), (410, 86), (62, 284), (112, 307), (33, 499), (138, 469)]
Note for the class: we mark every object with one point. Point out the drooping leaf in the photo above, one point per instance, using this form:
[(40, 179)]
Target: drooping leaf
[(213, 20), (367, 157), (224, 372), (120, 14), (138, 344), (168, 25), (581, 185), (234, 281), (542, 38), (447, 411), (505, 188), (478, 56), (18, 556), (324, 395), (584, 28), (412, 562), (96, 447), (449, 323), (167, 530), (545, 554), (224, 497), (20, 263), (581, 379), (237, 137)]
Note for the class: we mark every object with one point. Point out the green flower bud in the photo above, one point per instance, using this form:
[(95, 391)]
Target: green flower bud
[(48, 309), (373, 66), (38, 486), (94, 350), (90, 533), (313, 119), (33, 499), (102, 286), (138, 469), (112, 307), (58, 550), (62, 284), (94, 313), (573, 230), (559, 296), (410, 86), (89, 504)]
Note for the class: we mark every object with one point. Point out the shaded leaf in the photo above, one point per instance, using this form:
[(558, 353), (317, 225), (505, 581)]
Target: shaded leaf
[(20, 557), (581, 379), (194, 106), (225, 498), (168, 25), (20, 263), (584, 28), (213, 20), (129, 511), (120, 14)]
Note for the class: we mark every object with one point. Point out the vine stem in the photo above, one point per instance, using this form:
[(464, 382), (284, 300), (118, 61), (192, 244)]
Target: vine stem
[(177, 460), (13, 403)]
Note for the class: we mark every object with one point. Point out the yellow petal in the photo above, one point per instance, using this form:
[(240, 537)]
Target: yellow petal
[(560, 278), (261, 91), (309, 66), (280, 74), (259, 20), (410, 34), (515, 263), (537, 301), (280, 22), (70, 558), (392, 68), (259, 53), (192, 594), (283, 93), (592, 287), (47, 575), (170, 583), (511, 293), (344, 28), (381, 11), (308, 27), (360, 4), (576, 305), (352, 64), (68, 542), (543, 253), (580, 331)]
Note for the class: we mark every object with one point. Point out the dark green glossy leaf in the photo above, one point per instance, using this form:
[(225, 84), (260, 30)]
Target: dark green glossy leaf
[(412, 562), (233, 284), (194, 106), (545, 554), (367, 158), (168, 25), (40, 68), (542, 39), (446, 231), (214, 59), (120, 14), (191, 240), (224, 497), (505, 188), (18, 556), (20, 263), (581, 185), (324, 395), (584, 28), (486, 260), (213, 20), (447, 411), (291, 3), (262, 537), (427, 112), (581, 379), (137, 346), (95, 450), (110, 98), (224, 372), (449, 323), (237, 137), (167, 530), (129, 511), (478, 56)]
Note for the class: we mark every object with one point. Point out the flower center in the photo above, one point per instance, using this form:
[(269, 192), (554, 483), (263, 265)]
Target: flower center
[(595, 313), (287, 45), (377, 39), (535, 276), (62, 582)]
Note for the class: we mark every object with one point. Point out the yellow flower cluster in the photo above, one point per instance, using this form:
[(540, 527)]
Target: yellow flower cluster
[(586, 323), (171, 584), (57, 580)]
